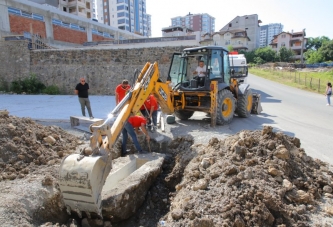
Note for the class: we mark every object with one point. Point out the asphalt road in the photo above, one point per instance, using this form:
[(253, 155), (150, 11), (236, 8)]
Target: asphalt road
[(295, 112)]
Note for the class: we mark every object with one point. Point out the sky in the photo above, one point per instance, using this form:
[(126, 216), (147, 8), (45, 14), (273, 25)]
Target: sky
[(315, 16)]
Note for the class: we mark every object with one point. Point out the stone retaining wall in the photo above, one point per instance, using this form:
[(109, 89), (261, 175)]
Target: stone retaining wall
[(103, 69)]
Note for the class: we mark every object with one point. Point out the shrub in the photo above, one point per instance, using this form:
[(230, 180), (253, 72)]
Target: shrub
[(29, 85), (51, 90)]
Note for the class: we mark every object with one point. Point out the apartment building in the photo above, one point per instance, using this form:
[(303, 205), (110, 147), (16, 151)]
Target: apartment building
[(250, 24), (267, 32), (237, 38), (295, 41), (128, 15), (80, 8), (94, 10), (196, 22)]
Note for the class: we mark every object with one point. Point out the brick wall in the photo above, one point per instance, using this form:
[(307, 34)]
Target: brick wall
[(20, 24), (69, 35), (96, 38)]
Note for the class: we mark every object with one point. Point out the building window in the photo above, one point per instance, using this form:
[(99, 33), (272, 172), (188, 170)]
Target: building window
[(230, 25), (283, 36), (120, 8), (25, 14)]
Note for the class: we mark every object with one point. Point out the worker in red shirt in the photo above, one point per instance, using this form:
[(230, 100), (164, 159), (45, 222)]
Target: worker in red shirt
[(149, 110), (121, 91), (132, 128)]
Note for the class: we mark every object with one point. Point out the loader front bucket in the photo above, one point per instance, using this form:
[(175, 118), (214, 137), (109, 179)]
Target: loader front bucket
[(81, 180)]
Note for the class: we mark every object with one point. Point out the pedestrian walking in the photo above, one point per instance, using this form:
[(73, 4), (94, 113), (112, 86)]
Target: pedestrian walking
[(81, 90), (328, 93)]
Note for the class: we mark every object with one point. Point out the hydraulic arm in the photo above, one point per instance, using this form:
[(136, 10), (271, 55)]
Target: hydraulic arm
[(82, 177)]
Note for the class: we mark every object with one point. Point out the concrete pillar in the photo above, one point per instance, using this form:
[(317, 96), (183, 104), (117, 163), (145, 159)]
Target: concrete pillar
[(4, 17), (48, 26), (89, 33)]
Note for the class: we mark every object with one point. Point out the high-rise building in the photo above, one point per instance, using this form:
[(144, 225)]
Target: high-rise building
[(267, 33), (196, 22), (128, 15), (94, 9)]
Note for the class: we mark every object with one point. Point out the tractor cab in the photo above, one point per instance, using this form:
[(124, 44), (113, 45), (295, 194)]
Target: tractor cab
[(195, 68)]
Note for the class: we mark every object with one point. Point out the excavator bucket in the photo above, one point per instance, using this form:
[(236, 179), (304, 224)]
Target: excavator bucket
[(81, 180), (256, 104)]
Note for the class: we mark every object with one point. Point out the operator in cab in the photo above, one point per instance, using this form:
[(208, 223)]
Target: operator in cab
[(201, 72)]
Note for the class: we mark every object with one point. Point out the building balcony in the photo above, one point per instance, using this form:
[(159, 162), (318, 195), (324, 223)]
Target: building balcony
[(74, 3), (296, 47)]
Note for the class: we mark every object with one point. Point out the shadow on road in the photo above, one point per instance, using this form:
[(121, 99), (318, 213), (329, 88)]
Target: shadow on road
[(266, 97)]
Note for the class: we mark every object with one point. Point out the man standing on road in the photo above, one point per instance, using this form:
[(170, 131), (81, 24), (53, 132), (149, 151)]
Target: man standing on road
[(81, 90), (132, 128), (121, 91)]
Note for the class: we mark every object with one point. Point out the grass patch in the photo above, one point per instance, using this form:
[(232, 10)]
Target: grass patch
[(310, 81)]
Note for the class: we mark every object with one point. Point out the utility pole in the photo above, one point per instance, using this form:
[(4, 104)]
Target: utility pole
[(302, 46)]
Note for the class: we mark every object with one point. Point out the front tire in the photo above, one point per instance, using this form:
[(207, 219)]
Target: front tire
[(225, 107), (183, 114), (244, 104)]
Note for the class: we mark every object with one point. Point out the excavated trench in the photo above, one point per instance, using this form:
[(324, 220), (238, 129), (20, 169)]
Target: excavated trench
[(253, 178)]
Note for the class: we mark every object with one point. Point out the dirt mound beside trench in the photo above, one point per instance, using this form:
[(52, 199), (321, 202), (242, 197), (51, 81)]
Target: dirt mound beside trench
[(30, 155), (254, 178), (26, 146)]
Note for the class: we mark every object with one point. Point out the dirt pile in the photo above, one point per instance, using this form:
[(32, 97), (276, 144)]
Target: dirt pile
[(254, 178), (25, 146), (30, 155)]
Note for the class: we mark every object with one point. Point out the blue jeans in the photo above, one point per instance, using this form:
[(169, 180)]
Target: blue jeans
[(328, 99), (128, 128)]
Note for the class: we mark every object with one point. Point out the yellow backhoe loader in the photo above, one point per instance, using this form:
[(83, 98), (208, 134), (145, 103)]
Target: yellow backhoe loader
[(219, 94)]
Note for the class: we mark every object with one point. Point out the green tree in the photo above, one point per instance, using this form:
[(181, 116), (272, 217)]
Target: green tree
[(326, 50), (316, 43), (267, 54), (285, 55), (313, 56), (230, 48), (249, 55)]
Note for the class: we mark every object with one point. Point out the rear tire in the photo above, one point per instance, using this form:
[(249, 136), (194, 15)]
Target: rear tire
[(225, 107), (244, 104), (183, 114)]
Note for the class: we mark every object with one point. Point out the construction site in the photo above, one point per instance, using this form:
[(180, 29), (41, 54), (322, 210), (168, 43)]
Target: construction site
[(199, 168)]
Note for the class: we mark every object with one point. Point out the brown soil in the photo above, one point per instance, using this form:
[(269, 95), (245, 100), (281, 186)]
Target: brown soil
[(253, 178)]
